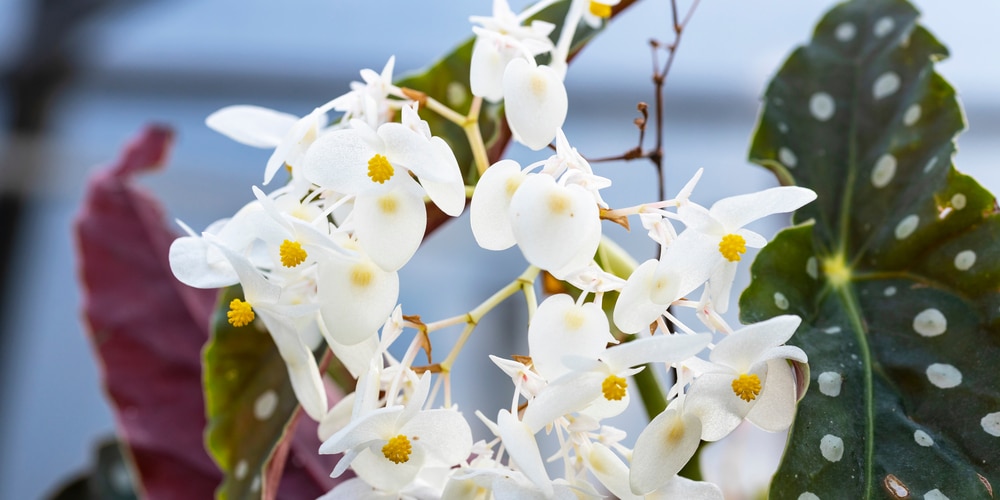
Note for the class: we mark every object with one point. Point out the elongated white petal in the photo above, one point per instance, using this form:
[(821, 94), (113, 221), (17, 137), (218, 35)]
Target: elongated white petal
[(356, 488), (745, 346), (356, 297), (448, 195), (191, 263), (372, 427), (389, 225), (774, 409), (610, 470), (721, 285), (536, 102), (336, 418), (555, 226), (486, 69), (354, 357), (662, 450), (409, 149), (303, 371), (293, 145), (372, 466), (444, 434), (737, 211), (520, 443), (569, 394), (339, 161), (489, 211), (251, 125), (562, 328), (656, 349), (682, 487)]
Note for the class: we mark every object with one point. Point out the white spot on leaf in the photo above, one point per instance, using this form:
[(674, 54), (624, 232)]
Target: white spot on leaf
[(830, 383), (944, 376), (958, 201), (845, 32), (991, 424), (812, 268), (885, 85), (964, 260), (832, 330), (912, 115), (883, 26), (832, 447), (780, 301), (906, 226), (240, 471), (930, 164), (265, 405), (821, 106), (783, 128), (935, 494), (923, 439), (884, 171), (889, 291), (808, 496), (930, 323), (787, 157)]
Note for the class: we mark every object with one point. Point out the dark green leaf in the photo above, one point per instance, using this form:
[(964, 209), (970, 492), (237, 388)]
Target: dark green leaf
[(897, 273)]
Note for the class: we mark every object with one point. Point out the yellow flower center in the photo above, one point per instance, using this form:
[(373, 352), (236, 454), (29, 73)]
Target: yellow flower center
[(614, 388), (361, 275), (240, 313), (292, 253), (747, 387), (398, 449), (731, 246), (379, 169), (600, 10)]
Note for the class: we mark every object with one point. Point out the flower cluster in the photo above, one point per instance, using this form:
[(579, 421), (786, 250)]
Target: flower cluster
[(318, 262)]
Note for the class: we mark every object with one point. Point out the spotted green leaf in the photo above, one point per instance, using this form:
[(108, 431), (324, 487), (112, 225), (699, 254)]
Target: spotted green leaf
[(896, 269)]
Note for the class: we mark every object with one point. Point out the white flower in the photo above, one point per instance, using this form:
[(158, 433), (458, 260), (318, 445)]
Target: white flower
[(749, 377), (489, 212), (355, 296), (535, 102), (722, 226), (388, 447), (562, 328), (598, 11), (500, 39), (664, 447), (369, 100)]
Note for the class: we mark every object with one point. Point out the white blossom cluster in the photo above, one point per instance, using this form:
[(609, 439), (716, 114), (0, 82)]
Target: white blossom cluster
[(318, 259)]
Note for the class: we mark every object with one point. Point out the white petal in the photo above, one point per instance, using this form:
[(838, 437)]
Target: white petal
[(293, 145), (444, 434), (721, 285), (404, 147), (356, 488), (339, 161), (635, 309), (252, 125), (448, 195), (372, 427), (486, 69), (489, 211), (191, 264), (336, 418), (610, 470), (535, 101), (356, 297), (523, 450), (376, 470), (712, 399), (682, 487), (390, 224), (744, 347), (555, 226), (560, 328), (737, 211), (303, 371), (569, 394), (774, 409), (354, 357), (662, 449), (656, 349)]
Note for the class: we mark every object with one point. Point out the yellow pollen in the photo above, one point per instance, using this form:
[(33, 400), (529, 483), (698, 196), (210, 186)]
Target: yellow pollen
[(292, 253), (379, 169), (614, 388), (361, 275), (398, 449), (600, 10), (240, 313), (747, 387), (731, 246)]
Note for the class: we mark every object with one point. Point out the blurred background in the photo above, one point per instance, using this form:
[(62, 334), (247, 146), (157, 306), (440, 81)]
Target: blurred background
[(79, 78)]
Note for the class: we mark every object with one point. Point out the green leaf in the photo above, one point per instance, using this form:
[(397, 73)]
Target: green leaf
[(895, 273), (249, 401)]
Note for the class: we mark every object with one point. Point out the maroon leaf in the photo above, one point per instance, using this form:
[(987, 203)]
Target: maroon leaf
[(148, 330)]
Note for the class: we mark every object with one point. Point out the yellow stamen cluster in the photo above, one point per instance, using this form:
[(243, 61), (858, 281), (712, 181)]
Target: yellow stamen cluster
[(731, 246), (292, 253), (240, 313), (600, 9), (379, 169), (398, 449), (747, 387), (613, 388)]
